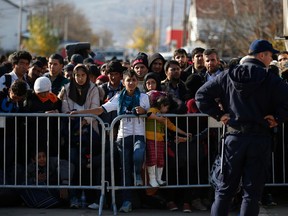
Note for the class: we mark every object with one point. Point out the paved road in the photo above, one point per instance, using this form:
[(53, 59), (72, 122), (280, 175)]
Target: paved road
[(280, 195), (275, 211)]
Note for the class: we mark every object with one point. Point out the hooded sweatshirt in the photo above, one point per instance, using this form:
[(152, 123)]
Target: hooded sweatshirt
[(156, 77), (152, 58)]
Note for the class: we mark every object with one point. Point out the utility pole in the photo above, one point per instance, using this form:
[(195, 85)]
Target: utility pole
[(285, 22), (20, 25), (285, 25), (171, 25), (184, 35), (154, 39), (189, 23), (160, 24)]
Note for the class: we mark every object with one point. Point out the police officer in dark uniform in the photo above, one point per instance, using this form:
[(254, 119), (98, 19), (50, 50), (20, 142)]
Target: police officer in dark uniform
[(252, 100)]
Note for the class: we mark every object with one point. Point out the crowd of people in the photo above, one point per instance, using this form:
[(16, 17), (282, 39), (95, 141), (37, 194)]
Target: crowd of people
[(146, 85)]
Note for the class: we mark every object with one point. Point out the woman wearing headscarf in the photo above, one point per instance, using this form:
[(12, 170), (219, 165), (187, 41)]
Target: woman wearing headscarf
[(80, 94), (152, 82)]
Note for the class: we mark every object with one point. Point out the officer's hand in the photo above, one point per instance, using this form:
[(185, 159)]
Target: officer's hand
[(271, 120)]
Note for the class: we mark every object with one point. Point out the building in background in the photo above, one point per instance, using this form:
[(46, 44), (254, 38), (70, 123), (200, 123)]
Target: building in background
[(207, 25), (174, 37), (285, 22), (13, 20)]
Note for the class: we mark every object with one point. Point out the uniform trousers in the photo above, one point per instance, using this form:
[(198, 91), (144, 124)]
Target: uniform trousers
[(246, 158)]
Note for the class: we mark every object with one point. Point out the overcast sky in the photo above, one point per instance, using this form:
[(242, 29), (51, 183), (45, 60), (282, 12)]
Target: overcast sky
[(121, 16)]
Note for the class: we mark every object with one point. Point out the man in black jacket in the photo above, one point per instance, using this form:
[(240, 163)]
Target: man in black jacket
[(173, 84), (194, 75), (252, 101)]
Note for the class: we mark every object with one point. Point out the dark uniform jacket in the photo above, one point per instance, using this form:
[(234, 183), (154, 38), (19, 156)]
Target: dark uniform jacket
[(247, 92)]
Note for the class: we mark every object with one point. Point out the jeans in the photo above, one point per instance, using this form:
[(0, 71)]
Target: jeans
[(132, 153)]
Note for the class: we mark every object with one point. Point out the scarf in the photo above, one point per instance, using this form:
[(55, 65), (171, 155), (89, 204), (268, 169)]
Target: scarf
[(78, 93), (52, 97), (128, 103)]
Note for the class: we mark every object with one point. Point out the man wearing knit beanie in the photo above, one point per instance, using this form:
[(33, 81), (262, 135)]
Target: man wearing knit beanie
[(42, 84), (140, 66)]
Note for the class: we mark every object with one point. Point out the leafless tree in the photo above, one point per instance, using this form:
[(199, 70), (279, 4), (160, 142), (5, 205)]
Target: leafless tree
[(230, 25)]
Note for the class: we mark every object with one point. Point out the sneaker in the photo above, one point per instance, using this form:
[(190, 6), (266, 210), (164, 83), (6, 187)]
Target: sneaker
[(206, 202), (126, 207), (197, 204), (74, 204), (161, 183), (172, 206), (94, 206), (269, 200), (186, 208), (139, 182)]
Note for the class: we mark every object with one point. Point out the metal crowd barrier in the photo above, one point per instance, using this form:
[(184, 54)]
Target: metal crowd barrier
[(23, 135), (198, 155), (193, 158)]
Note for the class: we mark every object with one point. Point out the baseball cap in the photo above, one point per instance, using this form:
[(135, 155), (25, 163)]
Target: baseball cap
[(258, 46)]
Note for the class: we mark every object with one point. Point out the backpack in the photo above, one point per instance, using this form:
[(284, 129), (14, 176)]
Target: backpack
[(106, 90), (40, 197), (7, 83), (8, 80)]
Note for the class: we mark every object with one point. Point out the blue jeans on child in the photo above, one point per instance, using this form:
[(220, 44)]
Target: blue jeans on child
[(132, 152)]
